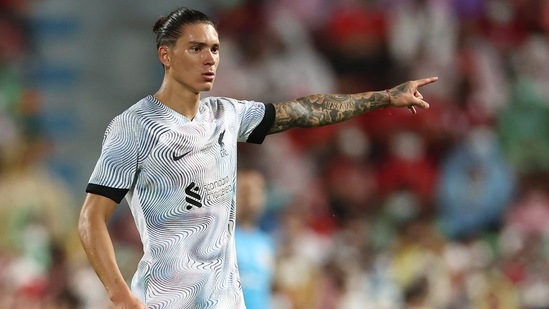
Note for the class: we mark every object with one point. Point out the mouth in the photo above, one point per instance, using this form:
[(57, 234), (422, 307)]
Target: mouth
[(209, 76)]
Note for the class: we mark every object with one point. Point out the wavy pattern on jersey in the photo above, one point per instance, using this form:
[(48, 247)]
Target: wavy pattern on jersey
[(166, 160), (118, 166), (174, 298)]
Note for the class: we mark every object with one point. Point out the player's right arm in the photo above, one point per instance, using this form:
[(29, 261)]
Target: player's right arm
[(323, 109), (98, 245)]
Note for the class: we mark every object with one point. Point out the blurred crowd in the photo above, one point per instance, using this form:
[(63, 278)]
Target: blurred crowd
[(445, 209)]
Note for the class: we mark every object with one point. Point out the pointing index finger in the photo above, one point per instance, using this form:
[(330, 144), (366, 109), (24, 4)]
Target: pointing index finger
[(426, 81)]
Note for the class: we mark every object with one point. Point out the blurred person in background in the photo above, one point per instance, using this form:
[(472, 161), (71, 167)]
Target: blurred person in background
[(522, 124), (255, 249), (476, 186), (300, 254), (348, 176), (35, 205), (355, 274), (353, 40), (407, 173), (35, 202), (173, 155), (417, 263), (524, 241)]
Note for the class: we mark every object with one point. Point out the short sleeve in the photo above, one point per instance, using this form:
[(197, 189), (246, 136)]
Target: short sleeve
[(117, 164), (260, 132), (256, 119)]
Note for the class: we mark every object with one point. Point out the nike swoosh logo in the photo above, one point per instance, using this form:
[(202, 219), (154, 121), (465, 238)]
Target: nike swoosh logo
[(175, 158)]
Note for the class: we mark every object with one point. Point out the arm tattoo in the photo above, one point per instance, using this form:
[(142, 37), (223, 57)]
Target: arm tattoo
[(323, 109)]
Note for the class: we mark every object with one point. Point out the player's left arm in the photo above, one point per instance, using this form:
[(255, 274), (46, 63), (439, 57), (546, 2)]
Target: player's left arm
[(323, 109)]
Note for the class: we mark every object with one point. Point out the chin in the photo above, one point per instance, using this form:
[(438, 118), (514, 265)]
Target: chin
[(207, 87)]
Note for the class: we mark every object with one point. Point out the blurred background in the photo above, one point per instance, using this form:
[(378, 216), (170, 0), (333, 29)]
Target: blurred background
[(448, 208)]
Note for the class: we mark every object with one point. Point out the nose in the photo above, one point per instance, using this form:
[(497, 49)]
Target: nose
[(210, 58)]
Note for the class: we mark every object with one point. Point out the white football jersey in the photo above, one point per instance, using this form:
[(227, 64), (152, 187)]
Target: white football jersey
[(179, 178)]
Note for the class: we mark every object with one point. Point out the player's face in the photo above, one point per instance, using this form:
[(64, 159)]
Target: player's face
[(194, 59)]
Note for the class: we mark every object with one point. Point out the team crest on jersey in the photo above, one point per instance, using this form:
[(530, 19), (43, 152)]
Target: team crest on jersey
[(223, 151)]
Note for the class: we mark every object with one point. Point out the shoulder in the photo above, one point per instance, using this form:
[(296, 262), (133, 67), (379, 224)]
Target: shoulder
[(132, 118), (126, 119), (217, 101), (238, 107)]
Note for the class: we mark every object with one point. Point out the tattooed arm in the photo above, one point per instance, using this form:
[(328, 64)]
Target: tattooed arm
[(323, 109)]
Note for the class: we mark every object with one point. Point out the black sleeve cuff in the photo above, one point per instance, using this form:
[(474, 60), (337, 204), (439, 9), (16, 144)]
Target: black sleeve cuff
[(114, 194), (260, 132)]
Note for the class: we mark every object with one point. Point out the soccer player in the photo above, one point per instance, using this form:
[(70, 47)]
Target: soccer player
[(172, 155)]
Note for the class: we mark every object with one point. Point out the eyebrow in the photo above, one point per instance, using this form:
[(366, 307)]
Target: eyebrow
[(201, 43)]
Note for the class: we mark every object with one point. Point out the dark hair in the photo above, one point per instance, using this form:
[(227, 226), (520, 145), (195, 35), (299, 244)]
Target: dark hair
[(168, 28)]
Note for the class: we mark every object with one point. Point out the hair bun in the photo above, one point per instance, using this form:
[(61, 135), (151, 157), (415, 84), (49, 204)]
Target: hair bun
[(159, 24)]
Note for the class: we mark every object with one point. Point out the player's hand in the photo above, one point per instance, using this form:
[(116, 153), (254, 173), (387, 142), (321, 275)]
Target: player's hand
[(407, 94)]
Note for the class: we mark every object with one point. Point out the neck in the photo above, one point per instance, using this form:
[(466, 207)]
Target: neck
[(182, 101)]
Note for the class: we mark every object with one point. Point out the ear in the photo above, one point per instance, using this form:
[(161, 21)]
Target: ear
[(164, 55)]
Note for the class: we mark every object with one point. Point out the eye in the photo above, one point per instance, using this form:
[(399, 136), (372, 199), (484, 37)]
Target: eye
[(196, 48), (215, 49)]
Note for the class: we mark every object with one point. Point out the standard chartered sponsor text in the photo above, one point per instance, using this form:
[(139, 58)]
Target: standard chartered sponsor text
[(216, 189)]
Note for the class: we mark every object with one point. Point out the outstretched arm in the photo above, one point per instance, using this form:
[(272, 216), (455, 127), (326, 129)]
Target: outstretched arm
[(323, 109)]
